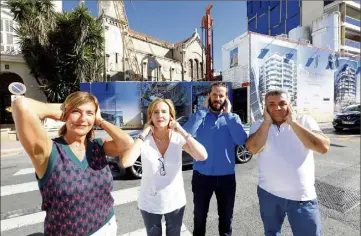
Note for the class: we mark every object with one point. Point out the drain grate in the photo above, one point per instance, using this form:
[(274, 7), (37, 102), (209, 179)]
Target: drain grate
[(336, 198)]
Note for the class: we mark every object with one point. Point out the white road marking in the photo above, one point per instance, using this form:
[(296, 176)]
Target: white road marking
[(33, 186), (19, 188), (122, 196), (25, 171), (21, 221)]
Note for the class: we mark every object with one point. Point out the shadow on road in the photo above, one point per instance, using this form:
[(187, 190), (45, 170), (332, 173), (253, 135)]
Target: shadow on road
[(187, 167), (36, 234), (337, 145), (343, 132), (121, 174)]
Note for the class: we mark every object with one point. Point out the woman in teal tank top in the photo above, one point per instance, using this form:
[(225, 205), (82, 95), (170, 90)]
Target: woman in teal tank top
[(72, 170)]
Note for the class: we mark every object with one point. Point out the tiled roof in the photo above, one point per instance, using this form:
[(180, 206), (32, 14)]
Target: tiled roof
[(183, 42), (148, 38), (154, 40)]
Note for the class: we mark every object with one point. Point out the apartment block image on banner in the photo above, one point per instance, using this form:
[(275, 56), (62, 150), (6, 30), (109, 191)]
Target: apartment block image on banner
[(119, 102), (178, 92), (347, 82), (278, 73)]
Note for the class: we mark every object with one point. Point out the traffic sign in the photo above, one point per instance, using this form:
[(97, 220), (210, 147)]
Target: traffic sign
[(17, 88)]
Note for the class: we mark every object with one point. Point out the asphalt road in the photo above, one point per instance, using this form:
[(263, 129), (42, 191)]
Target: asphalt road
[(337, 183)]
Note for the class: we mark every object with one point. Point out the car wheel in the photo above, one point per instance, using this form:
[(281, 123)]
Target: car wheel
[(136, 170), (242, 154)]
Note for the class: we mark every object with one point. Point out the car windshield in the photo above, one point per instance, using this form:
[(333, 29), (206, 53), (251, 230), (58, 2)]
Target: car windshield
[(352, 108)]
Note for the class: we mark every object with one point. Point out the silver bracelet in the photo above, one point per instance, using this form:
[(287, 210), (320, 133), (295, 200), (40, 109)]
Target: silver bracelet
[(139, 136), (187, 136)]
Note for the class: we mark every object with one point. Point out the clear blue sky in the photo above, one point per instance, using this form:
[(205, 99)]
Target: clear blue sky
[(174, 21)]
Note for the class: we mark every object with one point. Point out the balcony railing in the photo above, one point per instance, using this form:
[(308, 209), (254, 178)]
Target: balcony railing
[(351, 43), (10, 49), (353, 21)]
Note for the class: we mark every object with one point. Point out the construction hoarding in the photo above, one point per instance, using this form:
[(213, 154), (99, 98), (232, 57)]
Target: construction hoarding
[(235, 61), (125, 103), (319, 82)]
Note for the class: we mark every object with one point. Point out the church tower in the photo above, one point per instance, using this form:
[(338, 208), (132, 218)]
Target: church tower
[(114, 62)]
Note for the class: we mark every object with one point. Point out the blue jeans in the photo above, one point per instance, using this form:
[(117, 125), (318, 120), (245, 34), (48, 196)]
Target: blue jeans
[(203, 187), (304, 216), (173, 222)]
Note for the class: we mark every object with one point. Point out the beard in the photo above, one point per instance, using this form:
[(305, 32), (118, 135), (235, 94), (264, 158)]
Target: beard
[(214, 108)]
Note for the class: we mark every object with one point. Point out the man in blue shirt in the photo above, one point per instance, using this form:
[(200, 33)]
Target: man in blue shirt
[(219, 130)]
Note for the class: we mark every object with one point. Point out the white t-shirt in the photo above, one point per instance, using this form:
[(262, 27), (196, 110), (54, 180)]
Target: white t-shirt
[(286, 166), (162, 194)]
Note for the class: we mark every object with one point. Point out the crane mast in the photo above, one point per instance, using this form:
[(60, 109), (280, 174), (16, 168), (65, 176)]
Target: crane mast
[(207, 24)]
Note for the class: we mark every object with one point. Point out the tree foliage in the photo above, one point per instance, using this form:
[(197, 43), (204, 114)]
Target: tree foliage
[(61, 49)]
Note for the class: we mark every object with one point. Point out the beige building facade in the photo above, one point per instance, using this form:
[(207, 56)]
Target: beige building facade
[(157, 60)]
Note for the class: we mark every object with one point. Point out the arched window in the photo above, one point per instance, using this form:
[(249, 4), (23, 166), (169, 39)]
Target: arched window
[(201, 70), (190, 69), (196, 71), (195, 65)]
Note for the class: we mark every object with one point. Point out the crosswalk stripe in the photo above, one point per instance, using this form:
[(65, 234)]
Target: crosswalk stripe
[(122, 196), (25, 171), (125, 195), (33, 186), (142, 232), (19, 188), (21, 221)]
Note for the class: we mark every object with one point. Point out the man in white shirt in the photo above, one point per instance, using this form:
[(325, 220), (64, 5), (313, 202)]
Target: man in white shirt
[(285, 145)]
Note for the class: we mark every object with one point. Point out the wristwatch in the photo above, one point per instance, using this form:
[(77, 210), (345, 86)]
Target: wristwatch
[(139, 136)]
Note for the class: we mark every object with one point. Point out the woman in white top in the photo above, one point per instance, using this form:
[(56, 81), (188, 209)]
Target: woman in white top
[(160, 146)]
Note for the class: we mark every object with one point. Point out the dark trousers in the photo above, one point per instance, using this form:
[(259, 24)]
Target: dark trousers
[(203, 187), (173, 222)]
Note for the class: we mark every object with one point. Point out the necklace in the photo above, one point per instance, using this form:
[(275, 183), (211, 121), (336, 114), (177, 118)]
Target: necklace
[(161, 140), (77, 145)]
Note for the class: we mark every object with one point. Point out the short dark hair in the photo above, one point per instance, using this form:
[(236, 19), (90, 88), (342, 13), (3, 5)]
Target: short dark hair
[(275, 92), (218, 84)]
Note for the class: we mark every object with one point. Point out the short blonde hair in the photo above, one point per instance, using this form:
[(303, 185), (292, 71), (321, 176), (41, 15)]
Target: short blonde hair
[(155, 103), (72, 102)]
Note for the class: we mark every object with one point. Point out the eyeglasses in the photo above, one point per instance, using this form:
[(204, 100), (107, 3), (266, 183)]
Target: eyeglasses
[(161, 167)]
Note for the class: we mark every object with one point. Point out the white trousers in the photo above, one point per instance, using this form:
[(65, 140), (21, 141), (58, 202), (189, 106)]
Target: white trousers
[(109, 229)]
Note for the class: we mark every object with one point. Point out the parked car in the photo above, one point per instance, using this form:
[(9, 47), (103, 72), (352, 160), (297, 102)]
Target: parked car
[(135, 171), (349, 118)]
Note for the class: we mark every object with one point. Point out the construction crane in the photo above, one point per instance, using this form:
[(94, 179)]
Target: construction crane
[(131, 61), (207, 25)]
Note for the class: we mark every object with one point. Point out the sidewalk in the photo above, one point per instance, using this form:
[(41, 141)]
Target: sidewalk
[(9, 148), (326, 126)]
